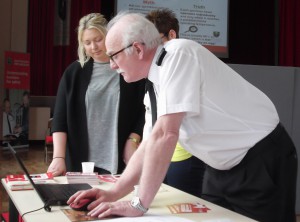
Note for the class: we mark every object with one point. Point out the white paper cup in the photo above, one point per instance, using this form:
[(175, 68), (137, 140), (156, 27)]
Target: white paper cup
[(88, 167), (136, 190)]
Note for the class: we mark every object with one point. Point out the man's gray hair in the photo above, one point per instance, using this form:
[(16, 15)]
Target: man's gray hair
[(138, 29)]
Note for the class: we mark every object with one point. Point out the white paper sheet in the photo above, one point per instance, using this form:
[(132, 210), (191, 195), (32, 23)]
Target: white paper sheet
[(149, 218)]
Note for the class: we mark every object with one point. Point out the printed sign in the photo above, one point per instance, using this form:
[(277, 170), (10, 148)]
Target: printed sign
[(17, 70)]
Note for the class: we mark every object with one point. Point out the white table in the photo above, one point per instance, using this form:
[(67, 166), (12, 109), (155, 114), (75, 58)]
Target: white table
[(29, 200)]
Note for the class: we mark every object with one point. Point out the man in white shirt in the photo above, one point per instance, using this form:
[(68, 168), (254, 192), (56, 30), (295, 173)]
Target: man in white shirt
[(217, 116)]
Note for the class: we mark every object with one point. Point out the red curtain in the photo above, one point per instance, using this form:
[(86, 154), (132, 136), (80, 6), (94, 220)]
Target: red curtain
[(48, 61), (289, 33)]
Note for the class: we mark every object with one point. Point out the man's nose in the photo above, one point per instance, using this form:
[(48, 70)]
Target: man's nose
[(113, 65)]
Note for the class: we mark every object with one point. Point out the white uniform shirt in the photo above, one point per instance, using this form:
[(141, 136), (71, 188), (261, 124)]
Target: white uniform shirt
[(148, 117), (225, 114)]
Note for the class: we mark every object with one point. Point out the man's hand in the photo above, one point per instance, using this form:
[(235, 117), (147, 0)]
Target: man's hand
[(103, 205), (95, 194), (120, 208)]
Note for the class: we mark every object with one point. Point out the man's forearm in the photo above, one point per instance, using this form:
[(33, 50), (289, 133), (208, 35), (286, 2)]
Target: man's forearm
[(156, 163), (131, 175)]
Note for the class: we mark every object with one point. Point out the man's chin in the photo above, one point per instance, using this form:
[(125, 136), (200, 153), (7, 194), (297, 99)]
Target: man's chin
[(126, 78)]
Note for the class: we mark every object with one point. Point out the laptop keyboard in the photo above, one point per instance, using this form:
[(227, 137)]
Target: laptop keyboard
[(59, 192)]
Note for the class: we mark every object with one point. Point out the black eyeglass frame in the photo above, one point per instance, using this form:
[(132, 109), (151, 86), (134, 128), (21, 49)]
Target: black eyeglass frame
[(121, 50)]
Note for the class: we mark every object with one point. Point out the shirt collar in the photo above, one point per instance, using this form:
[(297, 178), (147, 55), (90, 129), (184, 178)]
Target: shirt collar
[(153, 72)]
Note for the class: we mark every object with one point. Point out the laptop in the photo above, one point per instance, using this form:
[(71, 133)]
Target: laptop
[(51, 194)]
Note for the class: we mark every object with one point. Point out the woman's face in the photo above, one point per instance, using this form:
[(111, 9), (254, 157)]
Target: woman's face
[(93, 42)]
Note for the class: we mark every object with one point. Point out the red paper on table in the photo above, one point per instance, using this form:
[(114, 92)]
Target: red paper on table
[(188, 208)]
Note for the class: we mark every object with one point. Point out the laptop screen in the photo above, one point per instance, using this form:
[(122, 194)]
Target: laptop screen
[(21, 164), (51, 194)]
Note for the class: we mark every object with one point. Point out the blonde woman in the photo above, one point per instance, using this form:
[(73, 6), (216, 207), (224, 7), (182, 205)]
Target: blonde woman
[(98, 117)]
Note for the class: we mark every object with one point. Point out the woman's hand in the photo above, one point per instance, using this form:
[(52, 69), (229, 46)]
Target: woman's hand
[(131, 146), (57, 167)]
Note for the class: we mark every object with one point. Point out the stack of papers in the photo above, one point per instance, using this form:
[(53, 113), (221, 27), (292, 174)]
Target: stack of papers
[(79, 177), (110, 178), (21, 182)]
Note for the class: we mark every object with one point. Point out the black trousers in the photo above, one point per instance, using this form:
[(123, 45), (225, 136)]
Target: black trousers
[(263, 185)]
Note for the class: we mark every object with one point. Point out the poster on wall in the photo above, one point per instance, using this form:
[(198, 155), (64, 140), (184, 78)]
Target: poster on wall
[(16, 99), (204, 21)]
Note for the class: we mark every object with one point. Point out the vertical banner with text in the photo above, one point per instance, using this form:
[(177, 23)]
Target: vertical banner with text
[(17, 70), (16, 99)]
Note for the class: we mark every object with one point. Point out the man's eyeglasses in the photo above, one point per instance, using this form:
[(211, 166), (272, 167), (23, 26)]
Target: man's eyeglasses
[(112, 55)]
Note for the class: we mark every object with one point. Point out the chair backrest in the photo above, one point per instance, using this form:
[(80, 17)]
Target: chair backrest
[(48, 141), (50, 123), (48, 135)]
